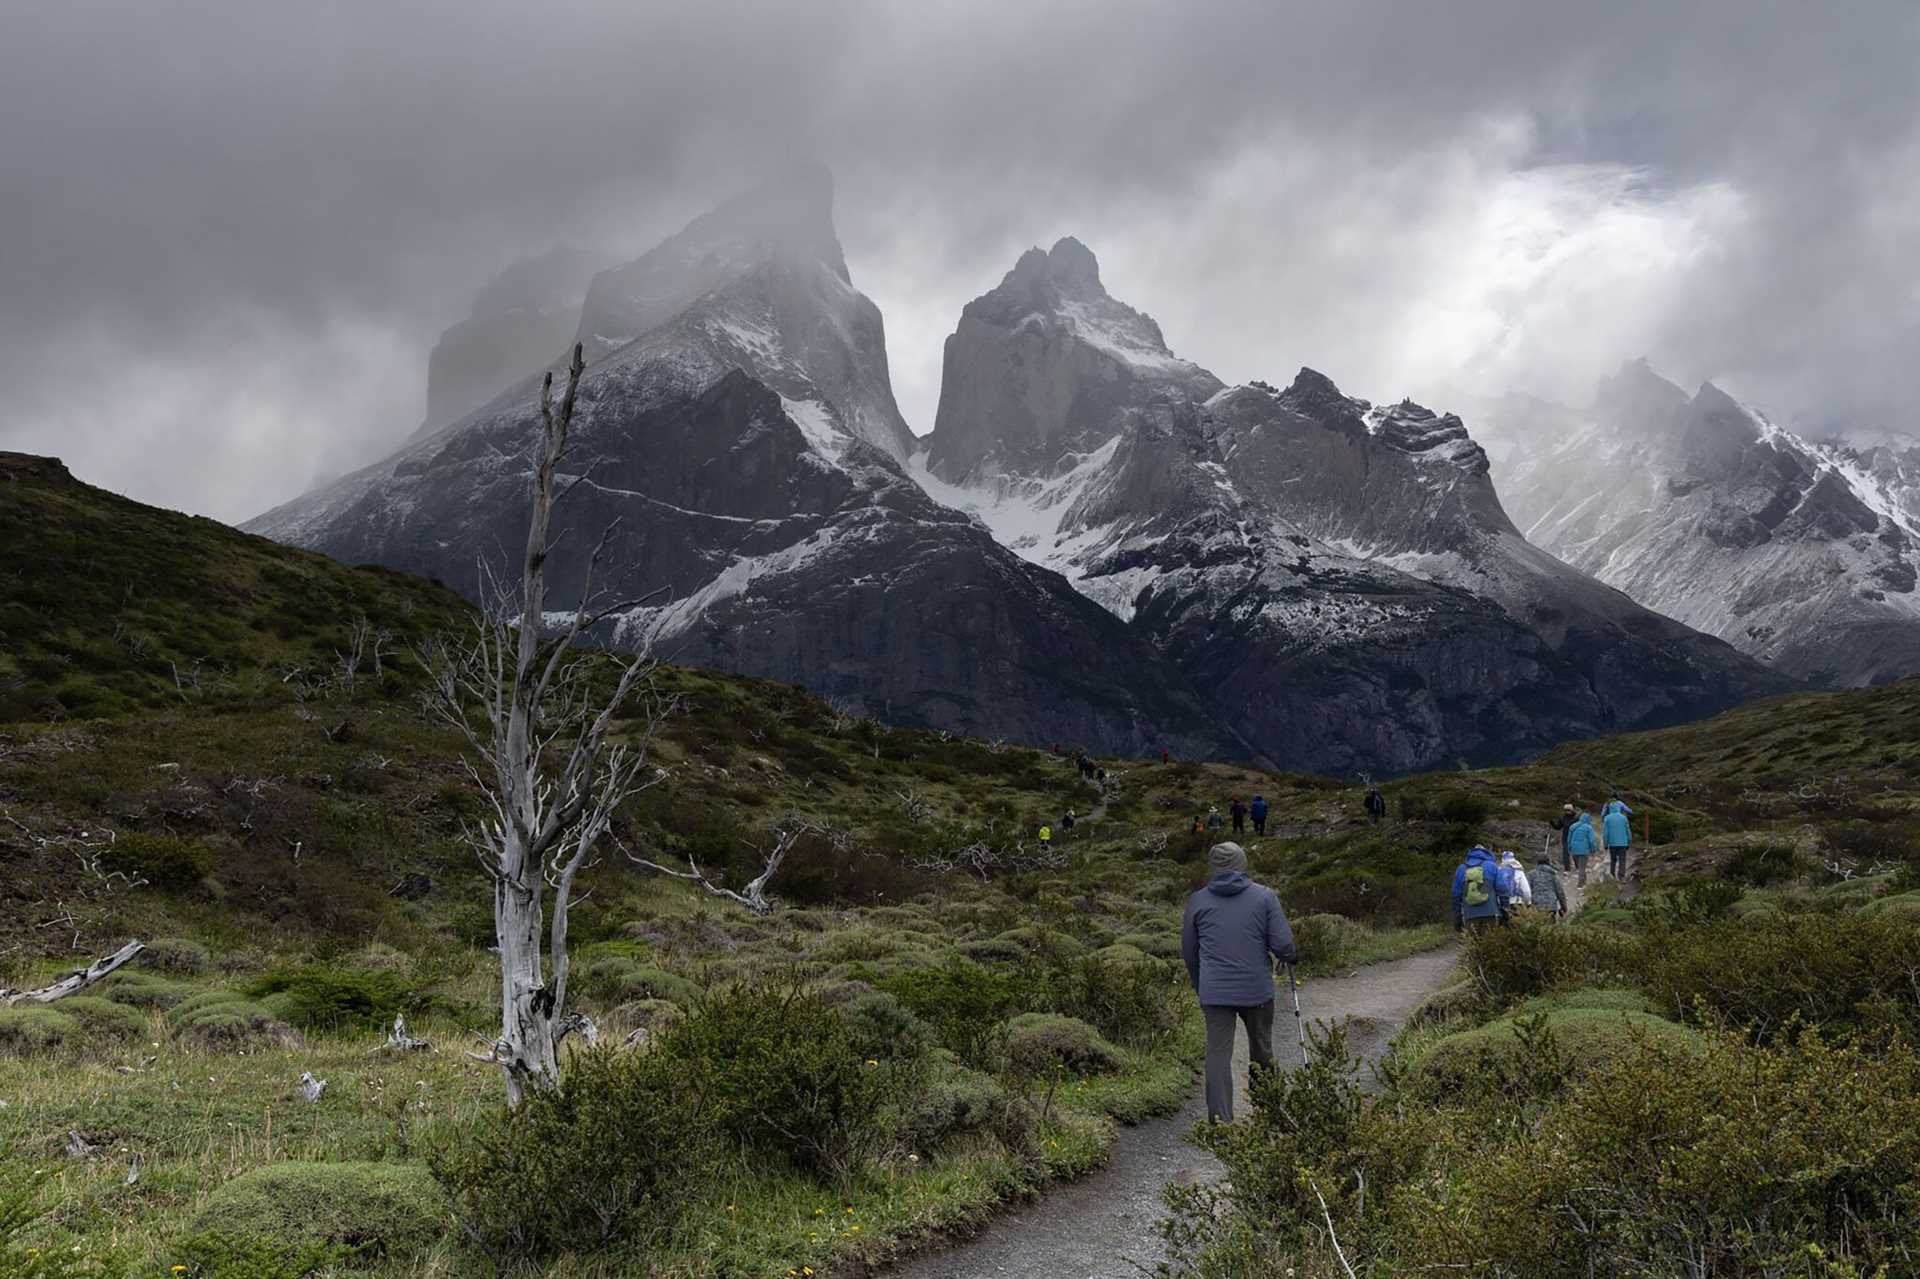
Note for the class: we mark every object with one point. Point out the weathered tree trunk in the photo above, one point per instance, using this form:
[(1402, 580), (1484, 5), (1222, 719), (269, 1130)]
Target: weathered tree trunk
[(74, 982), (527, 1050)]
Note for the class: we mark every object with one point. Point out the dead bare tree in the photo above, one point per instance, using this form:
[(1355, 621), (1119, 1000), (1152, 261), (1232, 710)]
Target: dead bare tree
[(74, 982), (538, 727), (754, 896)]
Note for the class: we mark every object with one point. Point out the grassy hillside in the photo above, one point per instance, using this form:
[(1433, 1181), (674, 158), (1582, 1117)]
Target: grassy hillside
[(291, 842)]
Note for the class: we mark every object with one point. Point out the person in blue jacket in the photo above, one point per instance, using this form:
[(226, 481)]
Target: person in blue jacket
[(1480, 891), (1582, 842), (1233, 931), (1616, 826), (1258, 811)]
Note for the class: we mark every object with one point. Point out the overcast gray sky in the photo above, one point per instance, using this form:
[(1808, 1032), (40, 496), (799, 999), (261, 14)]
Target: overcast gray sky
[(231, 233)]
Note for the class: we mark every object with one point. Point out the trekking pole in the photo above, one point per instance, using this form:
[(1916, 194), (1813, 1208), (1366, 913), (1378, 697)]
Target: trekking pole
[(1299, 1026)]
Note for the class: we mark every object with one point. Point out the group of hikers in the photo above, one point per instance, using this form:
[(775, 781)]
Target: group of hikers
[(1490, 890), (1238, 813), (1235, 930)]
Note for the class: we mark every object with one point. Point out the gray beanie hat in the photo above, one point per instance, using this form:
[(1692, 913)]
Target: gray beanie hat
[(1227, 857)]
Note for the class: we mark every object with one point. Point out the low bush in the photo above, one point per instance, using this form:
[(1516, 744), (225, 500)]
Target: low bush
[(104, 1018), (964, 1003), (316, 998), (1533, 957), (226, 1021), (960, 1106), (617, 1151), (1760, 865), (1138, 1003), (1039, 1044), (213, 1254), (31, 1030), (389, 1210), (781, 1073), (176, 955), (167, 862), (615, 979), (1326, 941), (1498, 1055)]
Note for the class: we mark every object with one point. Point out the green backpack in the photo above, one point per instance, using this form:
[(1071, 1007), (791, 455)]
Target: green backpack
[(1476, 893)]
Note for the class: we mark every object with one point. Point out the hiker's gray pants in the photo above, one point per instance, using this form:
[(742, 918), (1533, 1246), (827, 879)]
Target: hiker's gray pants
[(1220, 1024), (1617, 862)]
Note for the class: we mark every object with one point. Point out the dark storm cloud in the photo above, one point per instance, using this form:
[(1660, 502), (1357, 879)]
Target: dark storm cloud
[(232, 232)]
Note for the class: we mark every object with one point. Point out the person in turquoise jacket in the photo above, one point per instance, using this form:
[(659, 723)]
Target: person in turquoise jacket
[(1616, 825), (1582, 841)]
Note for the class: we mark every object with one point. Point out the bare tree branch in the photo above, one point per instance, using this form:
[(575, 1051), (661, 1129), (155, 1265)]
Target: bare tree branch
[(74, 982)]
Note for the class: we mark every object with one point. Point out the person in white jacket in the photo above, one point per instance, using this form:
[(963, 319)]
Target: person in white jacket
[(1520, 889)]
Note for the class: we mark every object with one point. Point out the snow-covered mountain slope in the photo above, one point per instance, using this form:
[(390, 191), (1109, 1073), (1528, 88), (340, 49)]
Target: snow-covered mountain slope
[(1339, 578), (1805, 556), (780, 541), (1040, 366)]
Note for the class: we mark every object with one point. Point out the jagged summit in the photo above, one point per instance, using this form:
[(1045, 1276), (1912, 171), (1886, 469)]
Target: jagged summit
[(1046, 364)]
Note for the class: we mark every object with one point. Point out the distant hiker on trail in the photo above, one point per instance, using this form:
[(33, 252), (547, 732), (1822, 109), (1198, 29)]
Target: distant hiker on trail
[(1616, 825), (1199, 824), (1561, 826), (1046, 836), (1376, 805), (1164, 757), (1259, 814), (1479, 899), (1582, 841), (1233, 931), (1237, 811), (1056, 748), (1066, 823), (1214, 820), (1100, 776), (1519, 888), (1549, 894)]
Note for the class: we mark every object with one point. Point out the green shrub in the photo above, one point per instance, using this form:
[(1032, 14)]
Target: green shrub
[(30, 1030), (390, 1210), (964, 1105), (1134, 1003), (226, 1020), (1462, 808), (213, 1254), (316, 998), (1496, 1054), (616, 979), (168, 862), (1760, 865), (883, 1029), (1533, 957), (104, 1018), (1326, 941), (1040, 1043), (25, 1202), (144, 990), (176, 955), (1161, 945), (618, 1150), (964, 1003), (781, 1073)]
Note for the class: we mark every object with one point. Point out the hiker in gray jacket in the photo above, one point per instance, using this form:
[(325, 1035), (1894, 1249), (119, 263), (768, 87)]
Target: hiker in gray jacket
[(1233, 932), (1549, 894)]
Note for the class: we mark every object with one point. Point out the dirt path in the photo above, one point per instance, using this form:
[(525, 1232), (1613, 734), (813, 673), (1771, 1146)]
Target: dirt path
[(1104, 1225)]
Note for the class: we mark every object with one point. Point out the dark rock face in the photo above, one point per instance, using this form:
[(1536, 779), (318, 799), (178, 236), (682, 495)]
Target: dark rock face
[(1338, 579), (521, 321), (731, 442), (1799, 554), (1046, 363)]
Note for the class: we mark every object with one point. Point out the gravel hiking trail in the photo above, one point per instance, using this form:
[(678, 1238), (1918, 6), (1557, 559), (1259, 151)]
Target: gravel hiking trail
[(1105, 1225)]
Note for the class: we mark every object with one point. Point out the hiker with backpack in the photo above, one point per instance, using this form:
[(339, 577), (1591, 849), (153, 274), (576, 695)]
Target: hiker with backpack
[(1582, 842), (1258, 811), (1549, 894), (1479, 898), (1514, 877), (1214, 820), (1233, 931), (1616, 827), (1046, 836), (1237, 811), (1376, 805), (1066, 823)]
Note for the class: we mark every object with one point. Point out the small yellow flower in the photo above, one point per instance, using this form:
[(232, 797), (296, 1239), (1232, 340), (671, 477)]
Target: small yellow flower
[(806, 1270), (819, 1212), (854, 1229), (871, 1062), (179, 1270)]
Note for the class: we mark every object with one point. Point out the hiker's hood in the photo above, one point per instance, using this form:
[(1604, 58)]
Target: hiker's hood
[(1480, 855), (1229, 883), (1585, 819), (1508, 859)]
